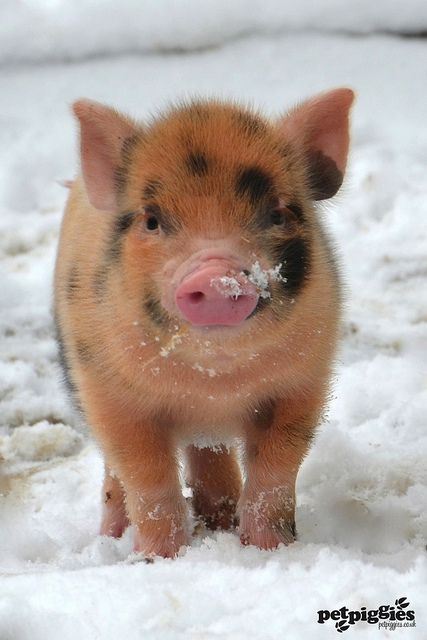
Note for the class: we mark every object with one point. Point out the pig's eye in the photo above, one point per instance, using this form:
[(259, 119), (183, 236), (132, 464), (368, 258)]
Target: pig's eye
[(282, 214), (277, 217), (151, 221)]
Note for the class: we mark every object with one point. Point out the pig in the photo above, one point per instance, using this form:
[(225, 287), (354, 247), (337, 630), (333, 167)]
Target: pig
[(197, 306)]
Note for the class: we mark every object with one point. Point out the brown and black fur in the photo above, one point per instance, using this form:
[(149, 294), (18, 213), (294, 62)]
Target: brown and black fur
[(214, 174)]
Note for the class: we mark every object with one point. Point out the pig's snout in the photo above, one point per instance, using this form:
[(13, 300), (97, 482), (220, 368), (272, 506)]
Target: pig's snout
[(214, 295)]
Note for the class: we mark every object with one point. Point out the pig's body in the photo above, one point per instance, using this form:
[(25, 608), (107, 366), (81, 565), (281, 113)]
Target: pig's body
[(167, 336)]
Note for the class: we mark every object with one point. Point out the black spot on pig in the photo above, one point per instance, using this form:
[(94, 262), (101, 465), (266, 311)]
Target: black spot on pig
[(63, 358), (264, 414), (197, 164), (254, 184), (155, 311), (294, 256), (324, 176), (121, 173), (120, 227), (123, 223), (120, 179)]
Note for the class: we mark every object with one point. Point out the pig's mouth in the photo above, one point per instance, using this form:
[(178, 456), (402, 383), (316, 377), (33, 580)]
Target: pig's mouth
[(261, 305)]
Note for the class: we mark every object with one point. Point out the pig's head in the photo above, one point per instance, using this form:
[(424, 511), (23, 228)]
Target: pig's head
[(211, 207)]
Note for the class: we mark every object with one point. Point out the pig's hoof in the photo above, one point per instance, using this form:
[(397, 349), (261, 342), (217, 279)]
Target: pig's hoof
[(165, 548), (220, 514), (114, 516), (114, 525), (267, 536)]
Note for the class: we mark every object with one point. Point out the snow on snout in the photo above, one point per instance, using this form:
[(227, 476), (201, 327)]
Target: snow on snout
[(228, 286), (234, 286), (261, 278)]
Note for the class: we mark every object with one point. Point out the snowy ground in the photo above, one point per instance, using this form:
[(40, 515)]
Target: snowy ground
[(362, 492)]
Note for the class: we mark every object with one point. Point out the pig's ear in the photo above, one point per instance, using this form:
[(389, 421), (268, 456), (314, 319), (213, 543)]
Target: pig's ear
[(320, 127), (103, 134)]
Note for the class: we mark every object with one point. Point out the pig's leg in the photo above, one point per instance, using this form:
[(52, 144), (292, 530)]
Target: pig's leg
[(275, 448), (214, 475), (148, 468), (114, 516), (143, 455)]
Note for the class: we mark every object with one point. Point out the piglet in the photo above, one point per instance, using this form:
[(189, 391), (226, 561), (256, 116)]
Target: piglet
[(197, 307)]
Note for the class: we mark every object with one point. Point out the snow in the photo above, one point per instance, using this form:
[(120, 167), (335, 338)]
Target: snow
[(234, 286), (361, 495), (41, 441), (261, 278), (75, 29), (227, 286)]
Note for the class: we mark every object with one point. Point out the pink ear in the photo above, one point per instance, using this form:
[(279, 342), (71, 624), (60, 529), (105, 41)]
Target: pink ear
[(321, 127), (103, 133)]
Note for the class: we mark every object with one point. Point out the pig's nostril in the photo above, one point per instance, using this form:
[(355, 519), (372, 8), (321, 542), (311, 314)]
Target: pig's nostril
[(210, 296), (196, 297)]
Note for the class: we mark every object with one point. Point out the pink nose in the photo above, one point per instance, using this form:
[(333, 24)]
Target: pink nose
[(210, 297)]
